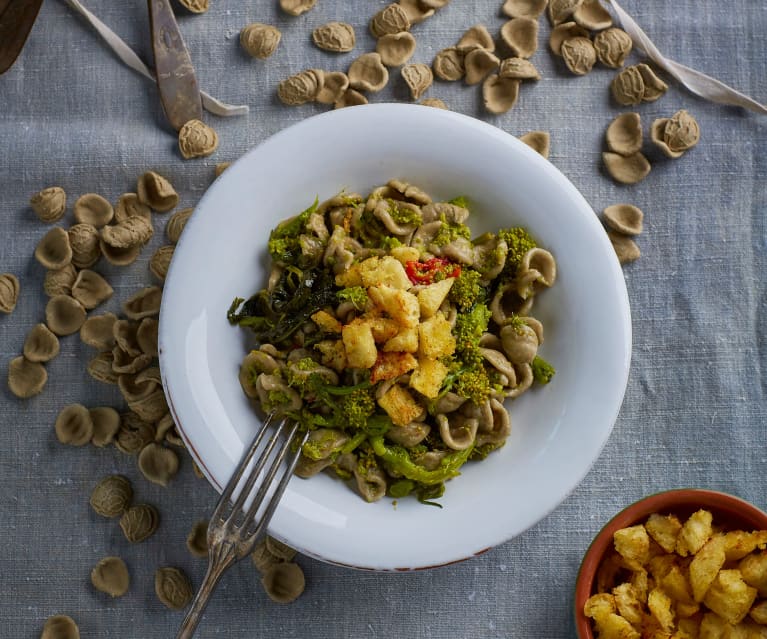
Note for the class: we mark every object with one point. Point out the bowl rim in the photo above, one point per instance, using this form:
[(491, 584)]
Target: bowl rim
[(666, 501), (589, 221)]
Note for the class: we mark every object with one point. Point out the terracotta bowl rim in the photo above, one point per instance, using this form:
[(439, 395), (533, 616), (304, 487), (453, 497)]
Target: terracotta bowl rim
[(678, 499)]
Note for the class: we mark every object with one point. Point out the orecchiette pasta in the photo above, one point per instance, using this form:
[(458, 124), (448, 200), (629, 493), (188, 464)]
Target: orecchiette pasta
[(394, 338)]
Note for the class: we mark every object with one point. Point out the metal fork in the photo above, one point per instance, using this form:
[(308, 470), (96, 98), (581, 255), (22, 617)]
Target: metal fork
[(235, 528)]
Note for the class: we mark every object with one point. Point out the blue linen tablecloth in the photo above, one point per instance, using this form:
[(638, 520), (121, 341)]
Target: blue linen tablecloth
[(694, 412)]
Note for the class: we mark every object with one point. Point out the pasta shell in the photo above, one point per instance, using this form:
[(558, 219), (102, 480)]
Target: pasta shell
[(60, 627), (434, 4), (64, 314), (134, 434), (284, 582), (124, 332), (129, 205), (350, 98), (476, 37), (418, 78), (133, 232), (26, 379), (152, 407), (368, 73), (74, 425), (90, 289), (41, 345), (139, 522), (521, 36), (625, 248), (391, 19), (654, 87), (59, 281), (519, 69), (93, 209), (156, 192), (300, 88), (53, 250), (106, 424), (624, 218), (563, 32), (524, 8), (296, 7), (262, 557), (334, 85), (144, 303), (176, 224), (478, 63), (593, 16), (560, 10), (158, 463), (539, 141), (337, 37), (84, 240), (500, 94), (101, 368), (626, 170), (196, 140), (624, 134), (112, 496), (197, 539), (415, 10), (675, 135), (164, 426), (579, 55), (49, 204), (160, 262), (435, 103), (396, 49), (613, 45), (9, 292), (260, 40), (146, 336), (125, 363), (220, 168), (448, 64), (119, 256), (110, 575), (133, 388), (97, 331)]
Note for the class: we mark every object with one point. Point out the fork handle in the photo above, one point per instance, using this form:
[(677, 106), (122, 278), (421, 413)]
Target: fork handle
[(217, 565)]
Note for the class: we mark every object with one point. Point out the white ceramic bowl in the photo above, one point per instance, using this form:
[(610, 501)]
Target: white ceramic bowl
[(557, 431)]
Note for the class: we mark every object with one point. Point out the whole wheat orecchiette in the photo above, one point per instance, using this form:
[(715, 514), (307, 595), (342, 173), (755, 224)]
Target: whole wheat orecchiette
[(394, 337)]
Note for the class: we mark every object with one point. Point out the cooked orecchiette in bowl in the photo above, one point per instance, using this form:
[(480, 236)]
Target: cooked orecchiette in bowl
[(403, 360)]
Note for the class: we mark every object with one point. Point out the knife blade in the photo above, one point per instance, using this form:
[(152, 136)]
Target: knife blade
[(16, 20), (176, 80)]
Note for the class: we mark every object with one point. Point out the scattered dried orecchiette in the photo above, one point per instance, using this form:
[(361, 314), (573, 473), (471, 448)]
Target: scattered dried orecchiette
[(84, 241), (60, 627), (300, 88), (26, 379), (176, 224), (74, 425), (139, 522), (197, 539), (368, 73), (284, 582), (53, 250), (626, 169), (396, 49), (157, 463), (41, 345), (476, 37), (478, 63), (144, 303), (539, 141), (624, 134), (521, 36), (9, 292), (173, 587), (337, 37), (59, 281), (297, 7), (64, 315), (112, 496), (524, 8), (448, 64), (500, 94), (391, 19), (160, 261), (129, 204), (93, 209), (624, 218), (106, 424), (97, 331), (156, 192), (197, 140), (90, 289), (418, 78), (260, 40), (110, 575), (613, 45), (49, 204), (579, 55), (592, 15)]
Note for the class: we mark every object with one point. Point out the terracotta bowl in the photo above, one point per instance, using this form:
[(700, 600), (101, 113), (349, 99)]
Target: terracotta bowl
[(729, 512)]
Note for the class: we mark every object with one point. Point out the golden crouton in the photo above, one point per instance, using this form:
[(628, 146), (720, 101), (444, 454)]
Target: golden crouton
[(332, 354), (398, 304), (695, 532), (405, 254), (383, 328), (435, 337), (391, 365), (664, 529), (382, 271), (633, 544), (729, 596), (350, 277), (431, 297), (705, 565), (428, 377), (406, 341), (326, 322), (400, 406), (660, 605), (599, 606), (359, 345), (754, 571)]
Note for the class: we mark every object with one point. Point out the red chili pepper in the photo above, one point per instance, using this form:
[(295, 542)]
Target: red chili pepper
[(432, 270)]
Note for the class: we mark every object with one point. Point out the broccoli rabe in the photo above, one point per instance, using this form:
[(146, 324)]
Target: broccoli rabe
[(469, 327), (284, 244), (519, 242), (389, 242), (542, 370), (459, 201), (473, 383), (466, 290), (357, 295), (449, 232)]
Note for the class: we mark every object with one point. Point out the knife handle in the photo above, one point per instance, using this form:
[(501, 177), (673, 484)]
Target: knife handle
[(176, 81)]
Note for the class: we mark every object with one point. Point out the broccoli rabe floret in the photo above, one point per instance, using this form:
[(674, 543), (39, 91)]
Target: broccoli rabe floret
[(542, 370), (469, 327), (403, 215), (284, 244), (357, 295), (519, 242), (354, 410), (389, 242), (459, 201), (449, 232), (466, 289), (474, 384)]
